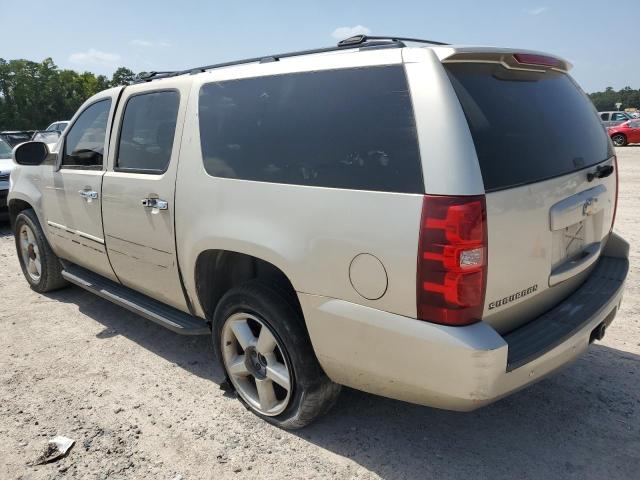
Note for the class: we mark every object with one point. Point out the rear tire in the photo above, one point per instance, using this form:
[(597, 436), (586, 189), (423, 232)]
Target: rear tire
[(260, 339), (40, 266), (619, 140)]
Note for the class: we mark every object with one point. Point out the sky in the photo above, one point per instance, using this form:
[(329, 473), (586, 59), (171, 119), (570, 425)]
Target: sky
[(99, 36)]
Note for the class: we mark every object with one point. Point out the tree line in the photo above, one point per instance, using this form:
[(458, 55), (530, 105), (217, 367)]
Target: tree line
[(628, 97), (33, 95)]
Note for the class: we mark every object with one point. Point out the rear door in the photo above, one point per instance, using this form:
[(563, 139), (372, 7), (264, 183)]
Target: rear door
[(139, 189), (537, 139)]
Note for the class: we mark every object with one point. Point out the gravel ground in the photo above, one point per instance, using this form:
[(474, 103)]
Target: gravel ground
[(142, 402)]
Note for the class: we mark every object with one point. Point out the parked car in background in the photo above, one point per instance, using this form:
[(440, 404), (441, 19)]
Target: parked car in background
[(50, 137), (625, 133), (611, 119), (16, 137), (347, 216), (57, 126), (6, 165)]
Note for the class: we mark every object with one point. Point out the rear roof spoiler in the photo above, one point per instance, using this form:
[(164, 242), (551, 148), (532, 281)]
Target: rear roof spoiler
[(512, 59)]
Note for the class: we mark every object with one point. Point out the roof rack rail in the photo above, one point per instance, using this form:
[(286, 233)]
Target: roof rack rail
[(358, 41)]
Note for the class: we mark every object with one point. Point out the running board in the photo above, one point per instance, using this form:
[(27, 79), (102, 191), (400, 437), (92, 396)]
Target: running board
[(146, 307)]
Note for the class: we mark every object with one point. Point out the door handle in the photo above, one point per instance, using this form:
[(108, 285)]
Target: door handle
[(155, 203), (88, 194)]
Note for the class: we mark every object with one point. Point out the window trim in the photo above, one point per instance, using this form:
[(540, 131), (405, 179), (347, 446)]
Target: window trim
[(63, 149), (144, 171)]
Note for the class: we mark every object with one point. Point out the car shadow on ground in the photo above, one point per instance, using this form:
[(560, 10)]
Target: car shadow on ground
[(558, 427), (192, 353)]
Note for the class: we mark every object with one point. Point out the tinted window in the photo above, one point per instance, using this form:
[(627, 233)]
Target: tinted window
[(84, 144), (604, 116), (5, 149), (349, 128), (527, 126), (148, 128)]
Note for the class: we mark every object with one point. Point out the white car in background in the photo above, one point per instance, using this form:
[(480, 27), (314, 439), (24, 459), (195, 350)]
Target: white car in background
[(6, 165), (58, 126)]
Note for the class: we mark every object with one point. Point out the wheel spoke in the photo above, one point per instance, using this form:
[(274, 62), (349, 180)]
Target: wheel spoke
[(266, 341), (37, 266), (266, 394), (279, 374), (243, 334), (31, 267), (238, 367), (30, 238)]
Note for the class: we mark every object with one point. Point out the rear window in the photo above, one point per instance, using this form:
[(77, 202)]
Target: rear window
[(527, 126), (351, 128)]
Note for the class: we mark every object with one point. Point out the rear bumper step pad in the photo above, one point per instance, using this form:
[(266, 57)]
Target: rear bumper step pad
[(551, 329)]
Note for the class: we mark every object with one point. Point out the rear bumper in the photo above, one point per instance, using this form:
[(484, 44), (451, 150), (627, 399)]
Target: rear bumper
[(459, 368)]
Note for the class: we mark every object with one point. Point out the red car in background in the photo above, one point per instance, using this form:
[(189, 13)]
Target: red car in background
[(625, 133)]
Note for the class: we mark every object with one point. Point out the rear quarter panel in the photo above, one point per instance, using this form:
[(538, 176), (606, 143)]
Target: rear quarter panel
[(311, 233)]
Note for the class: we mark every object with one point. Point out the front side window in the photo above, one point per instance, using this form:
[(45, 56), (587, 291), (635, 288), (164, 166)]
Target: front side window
[(148, 128), (349, 128), (84, 144)]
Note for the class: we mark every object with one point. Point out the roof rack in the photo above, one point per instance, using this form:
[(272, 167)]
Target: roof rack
[(360, 39), (357, 41)]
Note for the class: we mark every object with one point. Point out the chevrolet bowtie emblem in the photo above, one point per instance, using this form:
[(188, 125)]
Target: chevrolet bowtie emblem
[(589, 206)]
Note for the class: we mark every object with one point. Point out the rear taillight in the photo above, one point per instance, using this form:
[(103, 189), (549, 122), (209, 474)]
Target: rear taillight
[(615, 202), (452, 259)]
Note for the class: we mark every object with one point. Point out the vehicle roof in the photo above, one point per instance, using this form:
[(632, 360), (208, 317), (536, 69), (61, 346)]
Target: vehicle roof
[(445, 52)]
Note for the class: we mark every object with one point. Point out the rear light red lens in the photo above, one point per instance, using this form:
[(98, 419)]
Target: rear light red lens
[(532, 59), (452, 258)]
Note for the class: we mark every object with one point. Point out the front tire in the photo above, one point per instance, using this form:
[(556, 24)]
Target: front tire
[(619, 140), (260, 339), (40, 266)]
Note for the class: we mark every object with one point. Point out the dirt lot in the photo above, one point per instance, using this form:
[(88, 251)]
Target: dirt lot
[(142, 402)]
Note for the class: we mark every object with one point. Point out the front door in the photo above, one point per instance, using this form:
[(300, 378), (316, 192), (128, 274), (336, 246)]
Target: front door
[(72, 202), (138, 190)]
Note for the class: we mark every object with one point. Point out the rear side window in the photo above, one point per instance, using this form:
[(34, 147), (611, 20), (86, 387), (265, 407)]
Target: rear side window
[(148, 128), (351, 128), (527, 126)]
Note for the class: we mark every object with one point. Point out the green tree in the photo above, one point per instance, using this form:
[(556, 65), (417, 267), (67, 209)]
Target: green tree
[(33, 95), (122, 76)]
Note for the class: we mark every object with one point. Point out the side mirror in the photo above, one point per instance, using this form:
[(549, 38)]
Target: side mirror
[(30, 153)]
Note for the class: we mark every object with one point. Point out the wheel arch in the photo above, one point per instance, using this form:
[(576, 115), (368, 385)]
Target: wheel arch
[(17, 205), (218, 270)]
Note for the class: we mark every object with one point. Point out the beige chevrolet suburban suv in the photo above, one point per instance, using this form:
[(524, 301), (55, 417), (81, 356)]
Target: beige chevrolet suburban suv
[(412, 219)]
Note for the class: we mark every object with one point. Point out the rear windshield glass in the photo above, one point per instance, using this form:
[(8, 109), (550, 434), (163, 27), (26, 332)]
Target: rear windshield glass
[(351, 128), (527, 126)]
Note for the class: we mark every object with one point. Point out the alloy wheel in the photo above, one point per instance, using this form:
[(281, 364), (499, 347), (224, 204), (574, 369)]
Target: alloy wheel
[(30, 253), (256, 364)]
